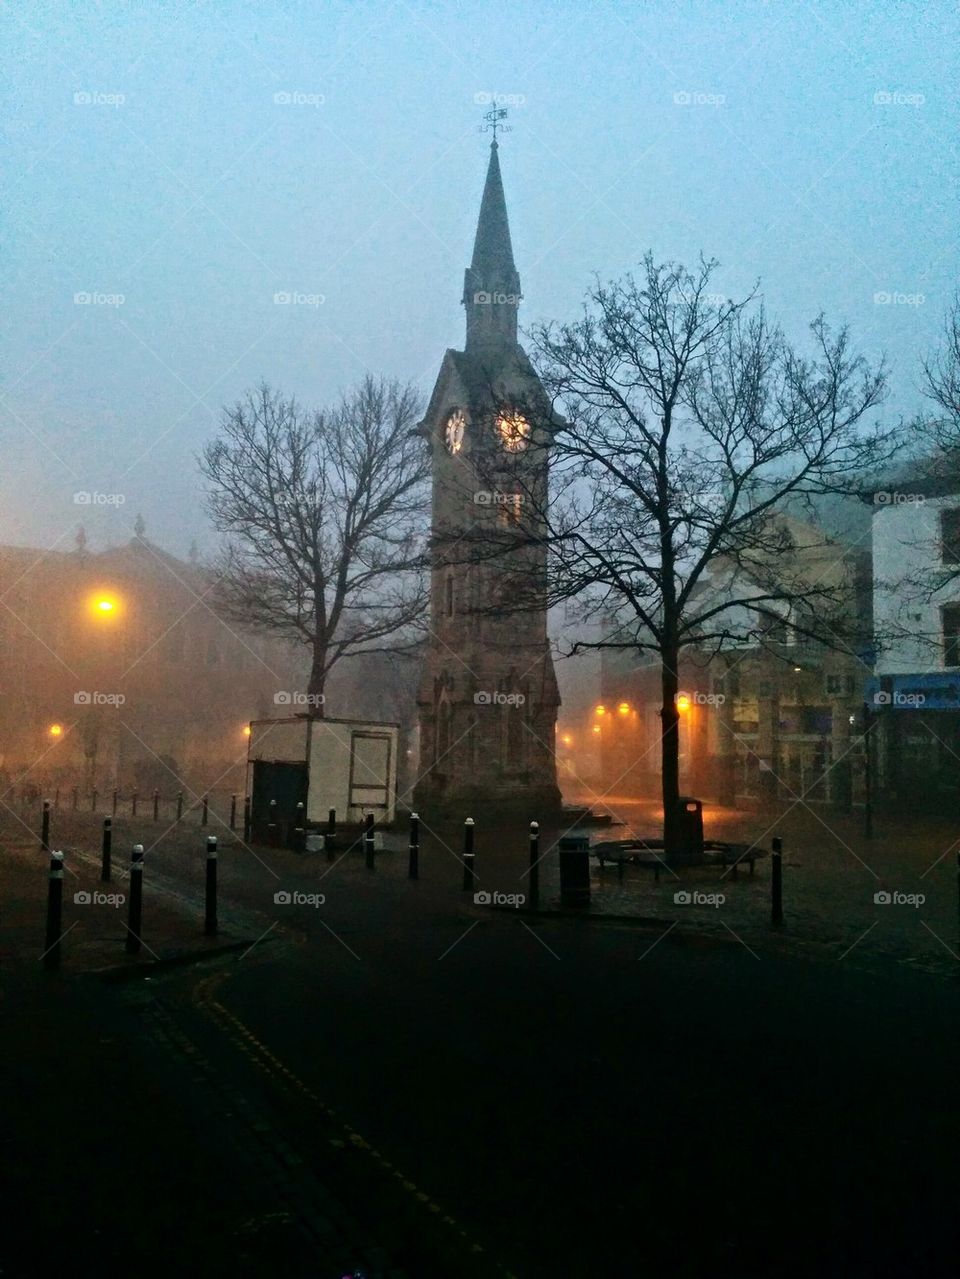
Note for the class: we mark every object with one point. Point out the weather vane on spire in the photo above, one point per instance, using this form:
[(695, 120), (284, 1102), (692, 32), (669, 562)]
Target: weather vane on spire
[(493, 118)]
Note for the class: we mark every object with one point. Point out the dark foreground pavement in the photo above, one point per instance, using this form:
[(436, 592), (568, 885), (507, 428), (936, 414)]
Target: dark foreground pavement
[(398, 1083)]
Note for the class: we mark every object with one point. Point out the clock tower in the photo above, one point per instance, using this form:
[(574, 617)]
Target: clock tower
[(488, 695)]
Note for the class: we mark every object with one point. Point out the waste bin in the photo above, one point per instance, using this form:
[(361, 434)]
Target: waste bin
[(690, 826), (574, 870)]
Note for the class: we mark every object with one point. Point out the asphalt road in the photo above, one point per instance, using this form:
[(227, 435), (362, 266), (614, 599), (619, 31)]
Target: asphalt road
[(574, 1098)]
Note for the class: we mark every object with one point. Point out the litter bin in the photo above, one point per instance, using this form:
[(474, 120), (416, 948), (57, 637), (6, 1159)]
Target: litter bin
[(690, 826), (574, 870)]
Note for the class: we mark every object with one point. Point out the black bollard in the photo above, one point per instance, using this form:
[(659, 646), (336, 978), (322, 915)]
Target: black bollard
[(468, 855), (114, 801), (210, 915), (233, 812), (133, 804), (179, 804), (106, 847), (246, 817), (272, 823), (51, 954), (331, 834), (135, 915), (45, 827), (206, 810), (776, 881), (414, 869), (156, 805), (299, 829), (369, 843), (534, 886)]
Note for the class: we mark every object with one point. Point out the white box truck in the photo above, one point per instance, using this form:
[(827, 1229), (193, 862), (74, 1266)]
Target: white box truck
[(342, 764)]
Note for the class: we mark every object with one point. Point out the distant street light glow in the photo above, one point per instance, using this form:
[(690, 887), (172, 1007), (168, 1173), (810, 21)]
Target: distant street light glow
[(55, 730), (683, 702)]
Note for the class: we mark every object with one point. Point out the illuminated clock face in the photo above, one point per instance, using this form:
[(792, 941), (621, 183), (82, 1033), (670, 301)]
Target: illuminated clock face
[(514, 431), (454, 430)]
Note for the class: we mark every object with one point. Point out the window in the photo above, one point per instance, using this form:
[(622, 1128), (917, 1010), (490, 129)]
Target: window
[(508, 509), (950, 619), (950, 537)]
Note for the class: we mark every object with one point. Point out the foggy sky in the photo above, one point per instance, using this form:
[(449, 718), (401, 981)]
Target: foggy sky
[(199, 196)]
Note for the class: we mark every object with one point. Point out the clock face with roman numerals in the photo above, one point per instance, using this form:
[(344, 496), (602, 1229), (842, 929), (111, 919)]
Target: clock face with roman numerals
[(453, 431), (513, 431)]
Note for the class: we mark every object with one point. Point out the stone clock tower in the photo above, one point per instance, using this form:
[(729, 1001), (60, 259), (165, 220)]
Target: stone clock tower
[(488, 695)]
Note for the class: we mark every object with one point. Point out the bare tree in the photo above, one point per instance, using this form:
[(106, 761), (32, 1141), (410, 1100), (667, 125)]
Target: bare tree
[(688, 425), (941, 379), (324, 520)]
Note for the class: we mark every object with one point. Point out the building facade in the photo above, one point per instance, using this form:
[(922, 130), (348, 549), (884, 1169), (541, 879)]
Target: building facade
[(915, 696), (116, 671)]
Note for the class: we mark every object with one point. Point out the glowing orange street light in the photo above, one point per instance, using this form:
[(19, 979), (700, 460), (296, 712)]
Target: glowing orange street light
[(104, 605), (596, 728), (246, 730), (567, 739), (601, 710), (623, 708), (55, 730), (683, 702)]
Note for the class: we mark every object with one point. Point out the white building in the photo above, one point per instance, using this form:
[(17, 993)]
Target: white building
[(916, 602)]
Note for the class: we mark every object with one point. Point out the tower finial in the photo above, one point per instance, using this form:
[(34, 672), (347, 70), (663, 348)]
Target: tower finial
[(493, 118)]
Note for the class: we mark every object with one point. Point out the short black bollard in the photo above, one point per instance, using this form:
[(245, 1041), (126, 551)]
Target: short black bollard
[(133, 803), (469, 856), (246, 818), (76, 798), (299, 829), (534, 885), (331, 834), (233, 812), (776, 881), (179, 804), (206, 810), (156, 805), (115, 801), (413, 871), (210, 914), (106, 848), (135, 915), (272, 822), (45, 827), (51, 954), (93, 801), (369, 843)]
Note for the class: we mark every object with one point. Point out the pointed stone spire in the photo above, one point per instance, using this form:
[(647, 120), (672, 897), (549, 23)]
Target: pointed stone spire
[(491, 286)]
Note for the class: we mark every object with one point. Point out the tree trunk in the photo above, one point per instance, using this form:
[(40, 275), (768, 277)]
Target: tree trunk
[(318, 679), (670, 748)]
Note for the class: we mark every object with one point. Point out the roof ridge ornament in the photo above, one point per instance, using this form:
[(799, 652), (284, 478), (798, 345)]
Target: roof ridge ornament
[(493, 118)]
